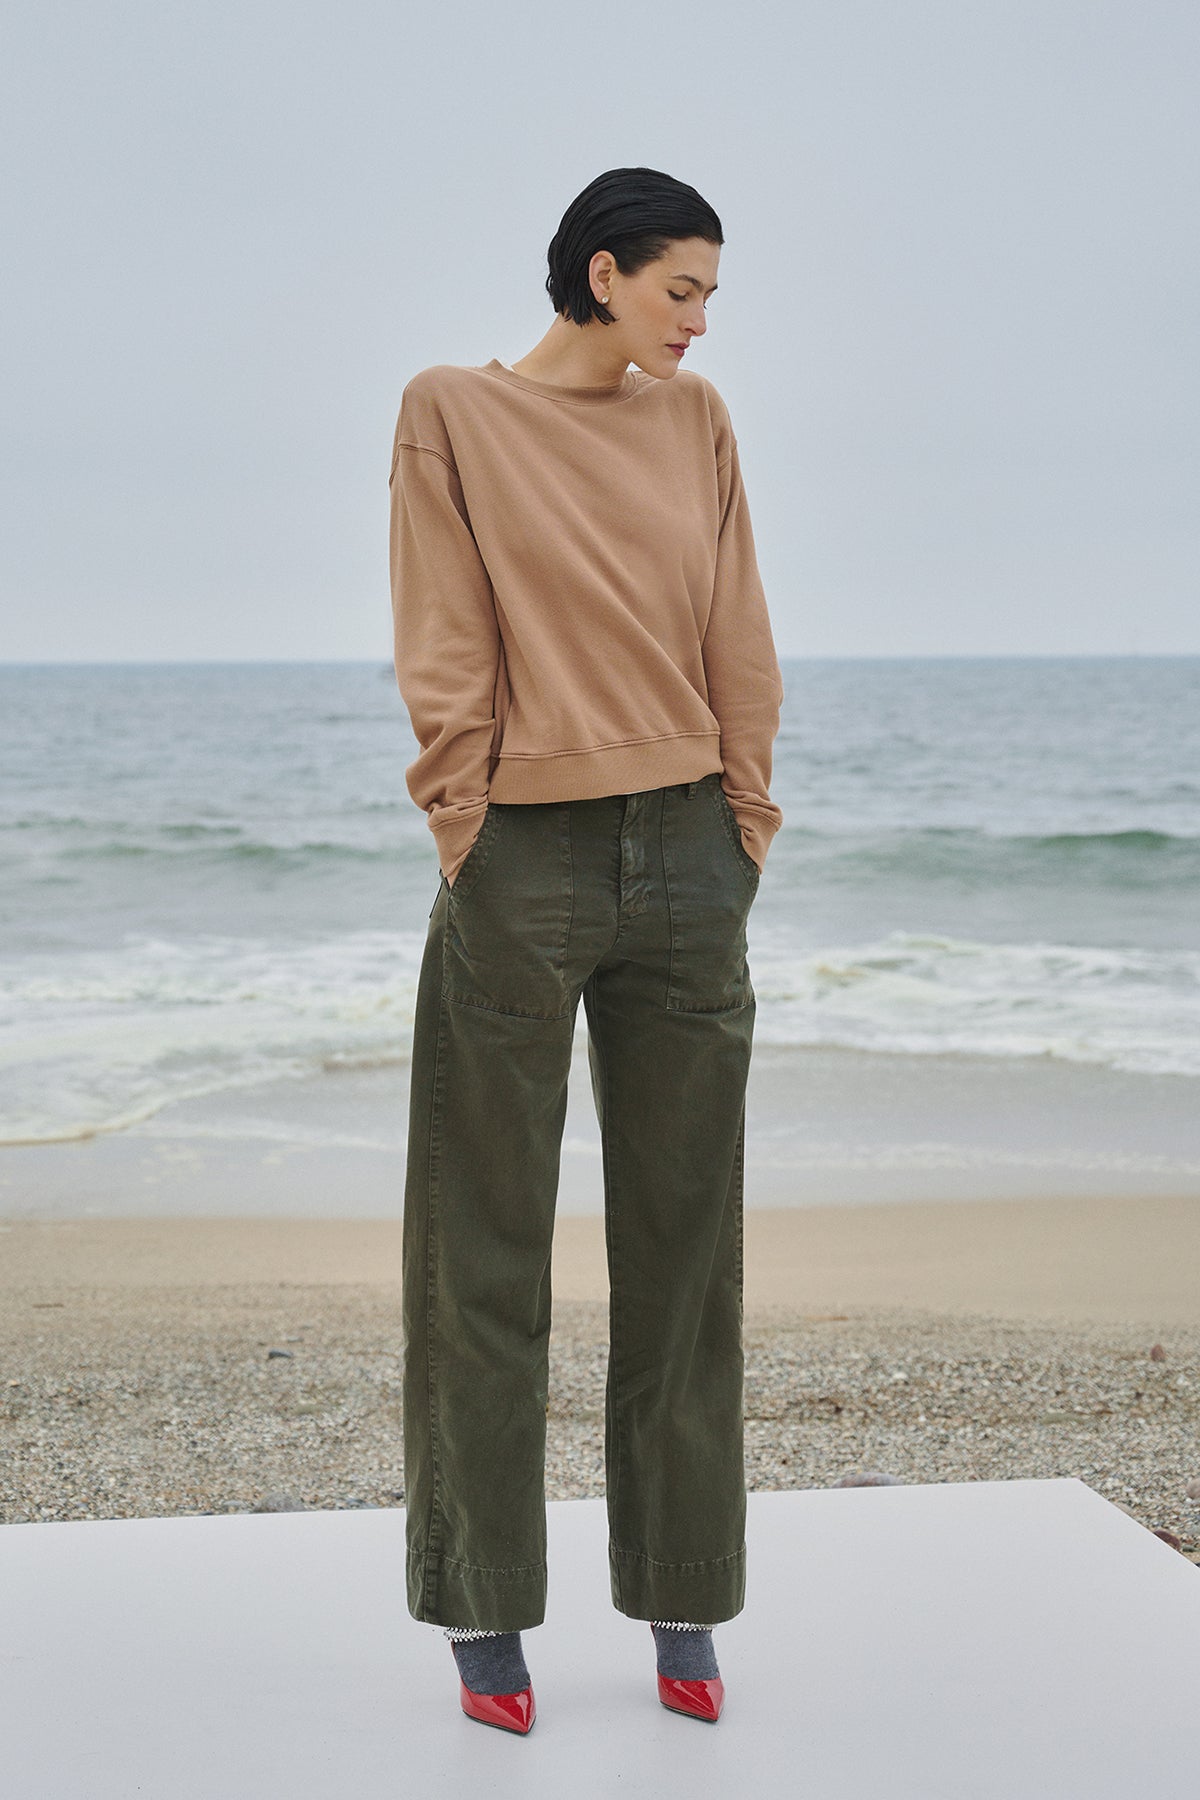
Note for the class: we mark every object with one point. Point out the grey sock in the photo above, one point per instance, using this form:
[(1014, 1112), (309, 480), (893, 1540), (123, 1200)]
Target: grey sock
[(492, 1665), (685, 1652)]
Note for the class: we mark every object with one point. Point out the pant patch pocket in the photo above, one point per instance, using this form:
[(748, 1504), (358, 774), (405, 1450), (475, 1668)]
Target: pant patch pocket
[(506, 935), (710, 900)]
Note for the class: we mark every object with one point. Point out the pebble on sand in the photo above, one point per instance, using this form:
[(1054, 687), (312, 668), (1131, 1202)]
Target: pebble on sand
[(868, 1478)]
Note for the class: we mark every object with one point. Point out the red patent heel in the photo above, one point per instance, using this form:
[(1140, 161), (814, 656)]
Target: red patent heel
[(511, 1712), (698, 1699)]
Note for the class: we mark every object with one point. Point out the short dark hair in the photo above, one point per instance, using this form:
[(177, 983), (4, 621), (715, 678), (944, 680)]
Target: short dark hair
[(634, 213)]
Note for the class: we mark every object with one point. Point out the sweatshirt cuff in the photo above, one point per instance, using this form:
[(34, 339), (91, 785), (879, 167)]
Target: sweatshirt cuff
[(758, 829)]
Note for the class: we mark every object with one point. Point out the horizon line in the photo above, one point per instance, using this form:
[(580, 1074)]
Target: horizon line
[(383, 662)]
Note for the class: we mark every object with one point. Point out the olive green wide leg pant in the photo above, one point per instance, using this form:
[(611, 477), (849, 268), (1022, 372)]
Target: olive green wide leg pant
[(639, 903)]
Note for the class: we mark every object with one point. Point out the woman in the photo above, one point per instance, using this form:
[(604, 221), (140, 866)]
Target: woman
[(584, 649)]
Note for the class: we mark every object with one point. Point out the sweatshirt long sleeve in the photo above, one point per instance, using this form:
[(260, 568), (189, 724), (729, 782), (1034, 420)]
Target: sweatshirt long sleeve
[(576, 599)]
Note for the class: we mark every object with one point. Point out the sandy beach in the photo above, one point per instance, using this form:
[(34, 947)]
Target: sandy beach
[(208, 1364)]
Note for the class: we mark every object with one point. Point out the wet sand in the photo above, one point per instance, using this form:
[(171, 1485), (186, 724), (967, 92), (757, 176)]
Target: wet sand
[(1065, 1258)]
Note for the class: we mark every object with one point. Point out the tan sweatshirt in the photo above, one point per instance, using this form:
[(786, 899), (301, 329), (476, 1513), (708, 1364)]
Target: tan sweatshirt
[(577, 605)]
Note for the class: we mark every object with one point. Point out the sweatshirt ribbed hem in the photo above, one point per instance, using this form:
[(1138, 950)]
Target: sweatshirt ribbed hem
[(614, 769)]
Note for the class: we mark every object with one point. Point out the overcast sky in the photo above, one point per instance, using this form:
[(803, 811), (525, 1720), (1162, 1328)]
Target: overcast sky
[(956, 326)]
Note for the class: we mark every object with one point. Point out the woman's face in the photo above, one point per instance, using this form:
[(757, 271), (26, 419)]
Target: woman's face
[(662, 305)]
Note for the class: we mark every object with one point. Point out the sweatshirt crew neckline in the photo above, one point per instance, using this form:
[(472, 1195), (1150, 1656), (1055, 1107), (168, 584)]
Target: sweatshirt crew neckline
[(572, 396)]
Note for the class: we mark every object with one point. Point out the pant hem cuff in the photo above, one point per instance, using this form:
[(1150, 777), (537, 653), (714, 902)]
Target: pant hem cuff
[(445, 1591), (645, 1589)]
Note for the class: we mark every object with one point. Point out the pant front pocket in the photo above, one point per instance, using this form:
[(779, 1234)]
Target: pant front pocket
[(710, 898), (746, 862), (475, 861), (507, 926)]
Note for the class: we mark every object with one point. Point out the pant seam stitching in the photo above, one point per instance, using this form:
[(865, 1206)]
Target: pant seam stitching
[(653, 1562), (431, 1296), (613, 1488), (456, 1562)]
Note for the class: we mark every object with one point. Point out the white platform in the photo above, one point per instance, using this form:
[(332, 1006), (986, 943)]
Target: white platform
[(1016, 1640)]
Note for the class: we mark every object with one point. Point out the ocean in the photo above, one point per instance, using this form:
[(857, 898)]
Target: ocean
[(213, 880)]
